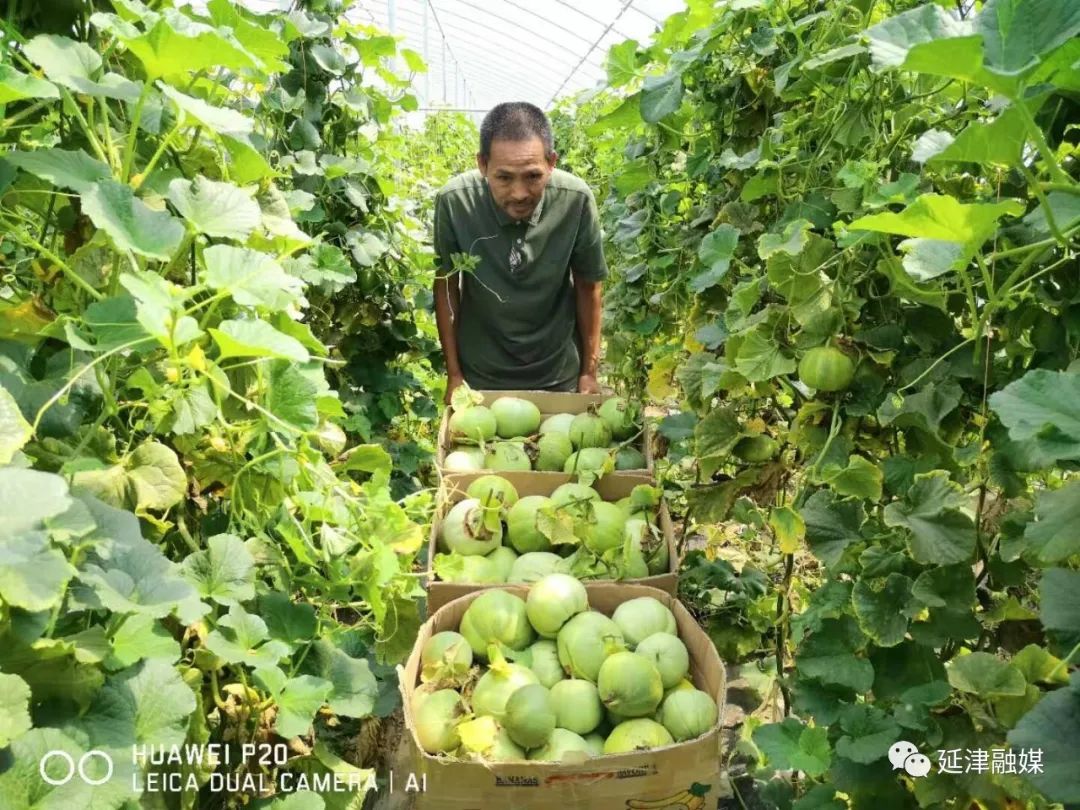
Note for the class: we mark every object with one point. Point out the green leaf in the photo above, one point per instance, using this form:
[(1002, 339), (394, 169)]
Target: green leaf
[(791, 241), (926, 259), (73, 65), (33, 576), (633, 177), (15, 431), (1039, 666), (902, 285), (1017, 33), (130, 223), (716, 434), (136, 577), (224, 571), (880, 608), (1043, 407), (328, 58), (158, 308), (60, 57), (868, 733), (923, 411), (1059, 606), (829, 656), (947, 586), (860, 479), (175, 45), (251, 277), (985, 675), (291, 396), (789, 528), (998, 143), (715, 252), (89, 646), (929, 40), (831, 525), (760, 358), (190, 408), (16, 86), (14, 709), (287, 621), (217, 119), (256, 339), (354, 686), (622, 62), (660, 96), (1053, 727), (244, 640), (1053, 532), (67, 169), (140, 637), (367, 247), (370, 458), (943, 217), (940, 533), (298, 699), (262, 41), (791, 745), (216, 209), (625, 116), (113, 322), (148, 704), (150, 478)]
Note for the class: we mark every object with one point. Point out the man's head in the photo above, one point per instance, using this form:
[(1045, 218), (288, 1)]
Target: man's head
[(516, 156)]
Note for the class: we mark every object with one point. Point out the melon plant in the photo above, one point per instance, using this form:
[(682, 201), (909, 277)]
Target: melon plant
[(866, 396), (189, 300)]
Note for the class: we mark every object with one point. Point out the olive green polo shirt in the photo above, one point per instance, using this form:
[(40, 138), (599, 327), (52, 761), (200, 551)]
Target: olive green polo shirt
[(517, 324)]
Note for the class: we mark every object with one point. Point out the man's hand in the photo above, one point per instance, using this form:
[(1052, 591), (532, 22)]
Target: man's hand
[(587, 384), (452, 382)]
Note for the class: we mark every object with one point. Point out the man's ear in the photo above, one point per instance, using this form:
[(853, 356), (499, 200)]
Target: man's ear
[(481, 164), (552, 159)]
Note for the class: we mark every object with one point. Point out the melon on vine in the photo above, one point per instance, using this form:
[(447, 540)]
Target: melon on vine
[(826, 368)]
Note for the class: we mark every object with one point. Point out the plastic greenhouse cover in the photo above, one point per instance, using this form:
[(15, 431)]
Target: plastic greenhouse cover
[(482, 52)]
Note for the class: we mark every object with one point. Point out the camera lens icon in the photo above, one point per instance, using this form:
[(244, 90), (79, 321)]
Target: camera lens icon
[(69, 768)]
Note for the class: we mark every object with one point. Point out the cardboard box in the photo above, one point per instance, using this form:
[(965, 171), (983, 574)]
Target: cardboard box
[(610, 487), (549, 403), (680, 775)]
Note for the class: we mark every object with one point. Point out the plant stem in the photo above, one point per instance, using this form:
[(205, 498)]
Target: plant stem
[(133, 132), (95, 144), (157, 155), (783, 615), (28, 241), (1041, 144), (1064, 662)]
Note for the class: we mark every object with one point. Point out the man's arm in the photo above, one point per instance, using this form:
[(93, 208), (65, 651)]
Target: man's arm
[(588, 298), (447, 305)]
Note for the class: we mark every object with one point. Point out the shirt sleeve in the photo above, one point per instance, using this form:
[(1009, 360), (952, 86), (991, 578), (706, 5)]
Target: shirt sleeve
[(587, 260), (443, 237)]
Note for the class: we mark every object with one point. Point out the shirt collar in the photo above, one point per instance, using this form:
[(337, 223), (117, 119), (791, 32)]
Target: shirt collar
[(504, 218)]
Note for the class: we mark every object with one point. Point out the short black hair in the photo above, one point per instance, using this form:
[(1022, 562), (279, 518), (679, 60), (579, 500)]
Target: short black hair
[(515, 121)]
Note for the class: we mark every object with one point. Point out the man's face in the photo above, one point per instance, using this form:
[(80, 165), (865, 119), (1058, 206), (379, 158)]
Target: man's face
[(517, 172)]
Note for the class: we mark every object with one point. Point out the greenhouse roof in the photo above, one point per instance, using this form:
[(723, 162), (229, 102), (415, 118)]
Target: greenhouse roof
[(482, 52)]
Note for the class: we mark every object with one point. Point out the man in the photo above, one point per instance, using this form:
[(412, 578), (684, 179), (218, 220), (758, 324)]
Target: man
[(527, 313)]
